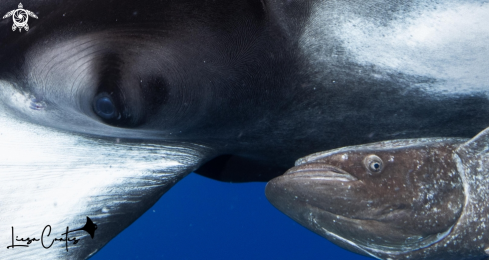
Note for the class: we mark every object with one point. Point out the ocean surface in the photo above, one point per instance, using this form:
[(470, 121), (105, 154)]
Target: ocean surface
[(200, 218)]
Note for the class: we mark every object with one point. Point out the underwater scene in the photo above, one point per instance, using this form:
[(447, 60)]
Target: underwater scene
[(244, 129)]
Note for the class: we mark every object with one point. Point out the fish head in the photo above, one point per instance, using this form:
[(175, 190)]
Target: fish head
[(393, 196)]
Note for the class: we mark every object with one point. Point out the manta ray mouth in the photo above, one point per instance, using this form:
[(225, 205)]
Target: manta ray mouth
[(318, 171)]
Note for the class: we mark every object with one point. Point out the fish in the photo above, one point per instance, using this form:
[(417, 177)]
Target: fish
[(400, 199), (125, 99)]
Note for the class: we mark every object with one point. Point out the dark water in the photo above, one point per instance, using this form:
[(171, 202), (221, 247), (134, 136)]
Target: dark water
[(204, 219)]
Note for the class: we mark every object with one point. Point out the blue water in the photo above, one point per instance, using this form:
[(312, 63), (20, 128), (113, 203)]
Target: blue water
[(201, 218)]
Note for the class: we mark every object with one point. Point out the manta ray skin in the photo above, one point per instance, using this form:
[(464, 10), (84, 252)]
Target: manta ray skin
[(104, 105)]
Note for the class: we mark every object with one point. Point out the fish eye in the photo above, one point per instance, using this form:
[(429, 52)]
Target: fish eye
[(104, 106), (373, 163)]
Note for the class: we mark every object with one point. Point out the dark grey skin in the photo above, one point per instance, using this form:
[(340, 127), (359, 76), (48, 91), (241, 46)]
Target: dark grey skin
[(236, 90), (400, 199), (259, 81)]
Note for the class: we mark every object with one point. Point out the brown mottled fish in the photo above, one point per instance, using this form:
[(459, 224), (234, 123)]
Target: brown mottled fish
[(401, 199)]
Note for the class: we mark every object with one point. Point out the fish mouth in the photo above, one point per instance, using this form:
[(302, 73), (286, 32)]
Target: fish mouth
[(319, 172)]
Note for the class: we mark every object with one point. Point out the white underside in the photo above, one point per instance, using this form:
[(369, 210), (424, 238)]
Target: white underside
[(49, 177), (446, 41)]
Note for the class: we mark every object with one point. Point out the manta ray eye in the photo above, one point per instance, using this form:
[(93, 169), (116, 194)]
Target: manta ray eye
[(104, 106), (373, 163)]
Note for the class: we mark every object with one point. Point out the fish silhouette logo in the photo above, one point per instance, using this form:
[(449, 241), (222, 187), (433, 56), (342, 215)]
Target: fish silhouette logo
[(89, 227), (20, 17)]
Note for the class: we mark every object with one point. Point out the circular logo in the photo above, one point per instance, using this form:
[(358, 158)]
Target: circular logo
[(20, 18)]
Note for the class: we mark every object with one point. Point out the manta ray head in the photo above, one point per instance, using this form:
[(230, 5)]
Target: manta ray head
[(104, 107)]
